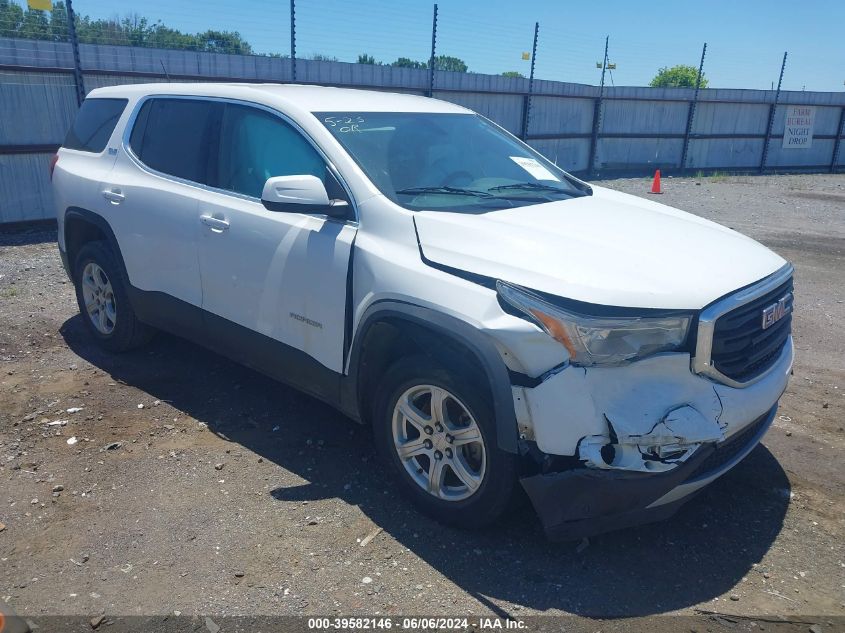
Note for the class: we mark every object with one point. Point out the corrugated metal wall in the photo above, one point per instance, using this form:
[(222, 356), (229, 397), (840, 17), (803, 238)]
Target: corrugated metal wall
[(640, 128)]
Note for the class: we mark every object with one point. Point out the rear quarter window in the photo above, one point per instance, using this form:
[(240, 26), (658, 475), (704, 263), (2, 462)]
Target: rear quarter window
[(94, 124), (176, 136)]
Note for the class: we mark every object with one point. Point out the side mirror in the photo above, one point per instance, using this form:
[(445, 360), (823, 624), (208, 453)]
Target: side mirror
[(301, 194)]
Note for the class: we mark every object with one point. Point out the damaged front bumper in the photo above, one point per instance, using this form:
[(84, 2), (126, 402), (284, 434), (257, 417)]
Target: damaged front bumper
[(637, 440), (587, 501), (661, 447)]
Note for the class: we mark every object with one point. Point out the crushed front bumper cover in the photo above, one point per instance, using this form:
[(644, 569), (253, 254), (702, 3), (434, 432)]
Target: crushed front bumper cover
[(587, 501)]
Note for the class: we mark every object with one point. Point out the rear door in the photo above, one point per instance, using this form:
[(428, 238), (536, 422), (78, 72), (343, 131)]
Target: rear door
[(282, 275), (153, 196)]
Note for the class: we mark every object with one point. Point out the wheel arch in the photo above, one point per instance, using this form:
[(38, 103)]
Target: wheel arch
[(82, 226), (390, 329)]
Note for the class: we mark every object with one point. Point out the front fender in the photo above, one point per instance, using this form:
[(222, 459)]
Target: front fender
[(448, 327)]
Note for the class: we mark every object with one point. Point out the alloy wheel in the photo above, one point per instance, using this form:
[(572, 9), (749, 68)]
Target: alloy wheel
[(439, 442), (98, 296)]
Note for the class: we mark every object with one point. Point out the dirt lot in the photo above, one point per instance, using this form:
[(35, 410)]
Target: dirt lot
[(201, 487)]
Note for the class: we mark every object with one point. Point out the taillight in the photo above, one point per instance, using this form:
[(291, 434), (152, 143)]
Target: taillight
[(53, 162)]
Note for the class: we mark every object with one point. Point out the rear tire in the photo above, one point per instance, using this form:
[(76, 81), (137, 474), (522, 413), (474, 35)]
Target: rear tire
[(447, 462), (101, 292)]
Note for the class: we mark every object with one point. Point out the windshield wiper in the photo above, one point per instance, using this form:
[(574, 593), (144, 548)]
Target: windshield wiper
[(537, 186), (459, 191)]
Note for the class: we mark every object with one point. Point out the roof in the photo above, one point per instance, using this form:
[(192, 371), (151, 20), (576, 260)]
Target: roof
[(310, 98)]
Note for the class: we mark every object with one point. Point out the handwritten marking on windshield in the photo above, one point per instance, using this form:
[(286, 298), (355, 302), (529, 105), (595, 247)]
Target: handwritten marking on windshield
[(344, 124)]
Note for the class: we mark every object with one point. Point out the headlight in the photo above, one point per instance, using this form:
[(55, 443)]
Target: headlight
[(594, 340)]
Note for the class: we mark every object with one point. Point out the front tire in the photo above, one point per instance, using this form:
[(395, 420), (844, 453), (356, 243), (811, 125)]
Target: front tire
[(101, 293), (435, 429)]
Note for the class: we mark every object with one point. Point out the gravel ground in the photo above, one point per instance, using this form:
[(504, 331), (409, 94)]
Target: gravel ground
[(201, 487)]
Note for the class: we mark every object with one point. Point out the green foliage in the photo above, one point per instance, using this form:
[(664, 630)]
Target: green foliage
[(679, 76), (223, 42), (441, 62), (404, 62), (11, 18), (58, 22), (445, 62), (132, 30), (513, 73), (35, 26)]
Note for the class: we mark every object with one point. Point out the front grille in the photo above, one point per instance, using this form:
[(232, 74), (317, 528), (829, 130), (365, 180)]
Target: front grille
[(742, 349), (728, 449)]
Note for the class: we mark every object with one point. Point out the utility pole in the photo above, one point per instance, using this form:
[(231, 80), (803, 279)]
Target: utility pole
[(691, 113), (597, 111), (293, 39), (526, 106), (772, 109), (835, 158), (431, 59), (74, 45)]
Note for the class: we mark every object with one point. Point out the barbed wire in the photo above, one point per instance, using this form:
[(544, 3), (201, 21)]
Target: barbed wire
[(397, 34)]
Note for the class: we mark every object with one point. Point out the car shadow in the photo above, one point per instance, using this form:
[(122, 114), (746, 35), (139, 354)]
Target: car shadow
[(699, 554), (25, 233)]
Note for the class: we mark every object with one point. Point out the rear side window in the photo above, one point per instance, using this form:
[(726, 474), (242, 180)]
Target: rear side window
[(176, 137), (94, 124)]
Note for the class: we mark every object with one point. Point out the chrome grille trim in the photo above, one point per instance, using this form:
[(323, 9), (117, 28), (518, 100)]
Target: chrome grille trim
[(702, 362)]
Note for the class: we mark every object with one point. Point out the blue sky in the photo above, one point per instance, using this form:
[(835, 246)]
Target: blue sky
[(746, 38)]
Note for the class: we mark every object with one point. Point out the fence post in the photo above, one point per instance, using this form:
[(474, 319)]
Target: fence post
[(691, 113), (597, 113), (433, 52), (293, 40), (526, 103), (838, 140), (772, 111), (74, 45)]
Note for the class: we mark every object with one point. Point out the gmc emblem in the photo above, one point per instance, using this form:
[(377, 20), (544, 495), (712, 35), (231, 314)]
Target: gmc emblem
[(775, 312)]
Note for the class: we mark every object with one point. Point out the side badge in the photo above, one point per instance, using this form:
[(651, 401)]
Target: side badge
[(112, 151)]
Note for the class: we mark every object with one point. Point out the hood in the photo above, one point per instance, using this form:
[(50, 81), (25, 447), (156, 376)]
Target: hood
[(610, 248)]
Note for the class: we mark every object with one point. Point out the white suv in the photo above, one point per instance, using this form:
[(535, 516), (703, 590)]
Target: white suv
[(497, 321)]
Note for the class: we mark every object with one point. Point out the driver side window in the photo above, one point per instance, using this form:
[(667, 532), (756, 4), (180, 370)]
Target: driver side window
[(256, 145)]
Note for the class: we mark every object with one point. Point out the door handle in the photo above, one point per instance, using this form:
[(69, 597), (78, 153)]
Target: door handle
[(215, 224), (113, 195)]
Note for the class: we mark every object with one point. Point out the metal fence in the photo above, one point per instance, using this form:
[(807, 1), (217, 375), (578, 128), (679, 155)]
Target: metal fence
[(589, 130)]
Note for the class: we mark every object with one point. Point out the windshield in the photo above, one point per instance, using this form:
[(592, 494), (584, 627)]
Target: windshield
[(454, 162)]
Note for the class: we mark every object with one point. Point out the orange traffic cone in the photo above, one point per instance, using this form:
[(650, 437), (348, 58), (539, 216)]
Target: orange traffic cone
[(655, 186)]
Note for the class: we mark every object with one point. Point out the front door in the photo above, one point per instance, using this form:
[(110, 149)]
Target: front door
[(278, 274)]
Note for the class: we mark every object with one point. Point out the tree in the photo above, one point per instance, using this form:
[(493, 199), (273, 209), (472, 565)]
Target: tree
[(513, 73), (404, 62), (161, 36), (35, 25), (229, 42), (445, 62), (11, 18), (58, 22), (136, 30), (132, 30), (679, 76)]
